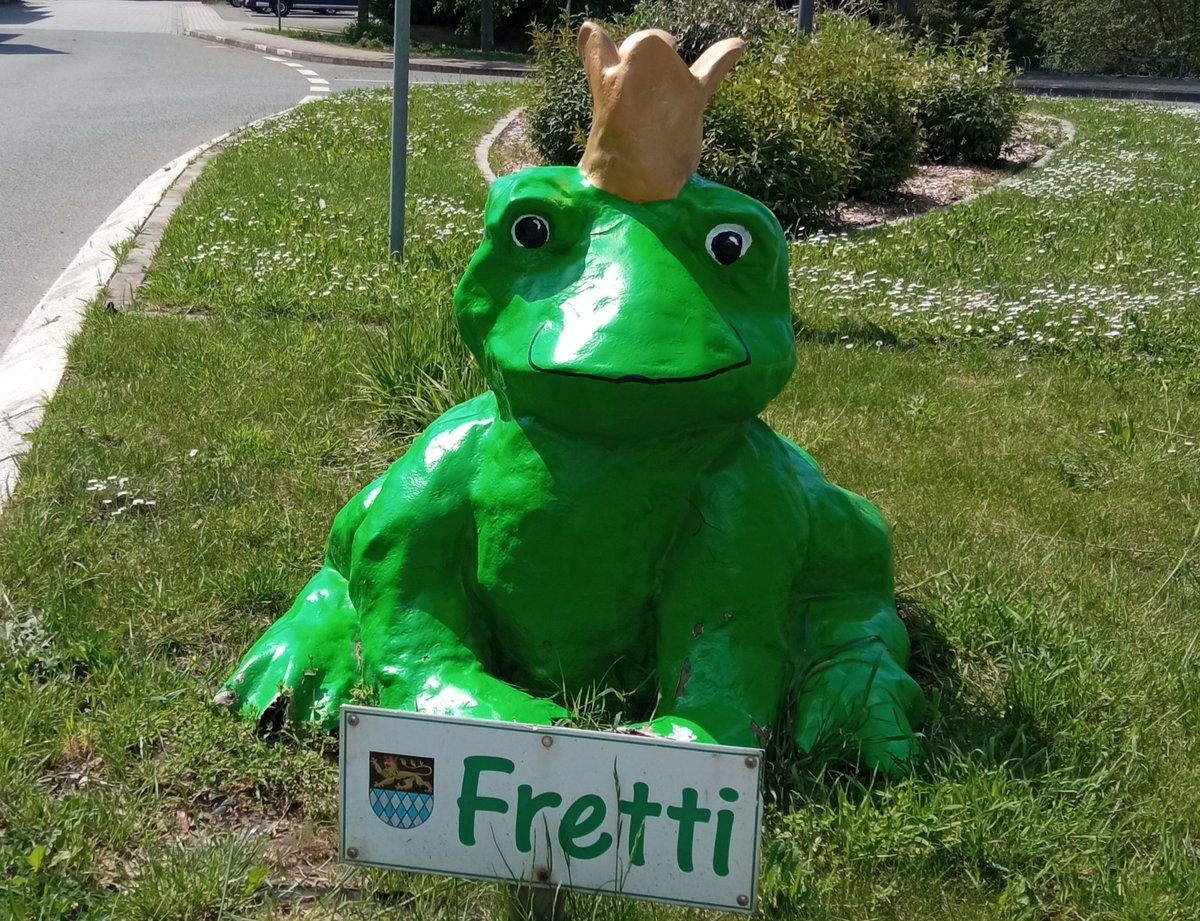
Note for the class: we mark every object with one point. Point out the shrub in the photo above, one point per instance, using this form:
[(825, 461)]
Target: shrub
[(1120, 36), (966, 100), (762, 137), (696, 24), (560, 120), (1012, 25), (797, 125), (866, 77), (767, 136)]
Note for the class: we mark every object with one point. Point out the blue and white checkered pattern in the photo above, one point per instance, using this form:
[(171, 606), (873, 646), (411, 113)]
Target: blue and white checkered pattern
[(401, 809)]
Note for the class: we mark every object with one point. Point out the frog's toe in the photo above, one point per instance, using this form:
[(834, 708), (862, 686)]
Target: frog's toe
[(227, 698), (244, 692), (318, 698), (891, 755)]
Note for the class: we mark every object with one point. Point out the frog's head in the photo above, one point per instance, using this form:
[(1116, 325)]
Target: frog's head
[(627, 298)]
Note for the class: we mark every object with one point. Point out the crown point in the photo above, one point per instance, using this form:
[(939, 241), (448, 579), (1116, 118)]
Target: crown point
[(647, 110)]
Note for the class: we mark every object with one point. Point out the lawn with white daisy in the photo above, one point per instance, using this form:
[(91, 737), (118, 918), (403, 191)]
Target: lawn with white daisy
[(1014, 381)]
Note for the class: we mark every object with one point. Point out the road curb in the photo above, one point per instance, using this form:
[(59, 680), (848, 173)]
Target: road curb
[(1044, 87), (482, 69), (483, 149), (33, 364)]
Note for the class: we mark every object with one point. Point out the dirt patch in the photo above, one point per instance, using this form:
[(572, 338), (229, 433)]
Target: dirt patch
[(513, 150), (935, 185)]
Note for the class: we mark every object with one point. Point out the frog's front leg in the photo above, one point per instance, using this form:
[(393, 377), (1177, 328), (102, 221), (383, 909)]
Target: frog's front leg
[(424, 648), (307, 658), (425, 641), (724, 659)]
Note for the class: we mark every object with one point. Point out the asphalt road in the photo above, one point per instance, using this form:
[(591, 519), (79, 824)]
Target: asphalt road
[(94, 96)]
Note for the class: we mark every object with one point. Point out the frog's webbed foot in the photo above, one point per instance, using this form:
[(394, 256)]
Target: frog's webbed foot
[(306, 665), (861, 704)]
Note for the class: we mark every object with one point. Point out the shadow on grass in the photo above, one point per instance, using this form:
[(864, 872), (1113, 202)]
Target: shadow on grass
[(1000, 732), (961, 722), (858, 332)]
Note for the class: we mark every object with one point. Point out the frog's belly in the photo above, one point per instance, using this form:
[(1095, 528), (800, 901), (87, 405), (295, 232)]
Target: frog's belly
[(575, 609)]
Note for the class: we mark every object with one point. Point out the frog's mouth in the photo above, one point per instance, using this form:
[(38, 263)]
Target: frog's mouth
[(615, 377)]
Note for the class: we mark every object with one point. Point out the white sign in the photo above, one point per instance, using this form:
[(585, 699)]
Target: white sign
[(602, 812)]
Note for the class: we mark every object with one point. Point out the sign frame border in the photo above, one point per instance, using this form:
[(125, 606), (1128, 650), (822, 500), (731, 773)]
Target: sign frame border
[(562, 732)]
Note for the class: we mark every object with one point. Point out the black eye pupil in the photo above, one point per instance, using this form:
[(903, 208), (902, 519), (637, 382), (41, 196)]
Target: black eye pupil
[(727, 247), (531, 232)]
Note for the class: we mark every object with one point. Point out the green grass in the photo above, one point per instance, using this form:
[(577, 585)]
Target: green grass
[(1044, 496), (378, 38), (293, 220)]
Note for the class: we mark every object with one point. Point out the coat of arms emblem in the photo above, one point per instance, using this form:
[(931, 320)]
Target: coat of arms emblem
[(401, 789)]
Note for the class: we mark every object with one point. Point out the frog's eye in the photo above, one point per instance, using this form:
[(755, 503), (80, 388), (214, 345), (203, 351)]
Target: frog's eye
[(530, 231), (727, 243)]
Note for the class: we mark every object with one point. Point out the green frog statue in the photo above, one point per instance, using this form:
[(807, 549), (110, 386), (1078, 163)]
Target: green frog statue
[(612, 513)]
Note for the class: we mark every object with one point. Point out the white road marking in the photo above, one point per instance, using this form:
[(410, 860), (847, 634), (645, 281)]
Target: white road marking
[(316, 84)]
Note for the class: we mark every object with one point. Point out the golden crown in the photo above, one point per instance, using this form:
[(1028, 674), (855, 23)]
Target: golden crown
[(647, 110)]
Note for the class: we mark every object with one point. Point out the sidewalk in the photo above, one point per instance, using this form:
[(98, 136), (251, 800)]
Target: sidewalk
[(1152, 88), (204, 23)]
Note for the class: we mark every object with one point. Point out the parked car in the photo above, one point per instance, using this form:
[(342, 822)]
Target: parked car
[(322, 6)]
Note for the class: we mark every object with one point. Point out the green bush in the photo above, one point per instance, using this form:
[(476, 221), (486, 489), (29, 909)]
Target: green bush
[(966, 101), (769, 137), (697, 24), (865, 75), (1123, 36), (800, 124), (560, 120), (1012, 25), (762, 137)]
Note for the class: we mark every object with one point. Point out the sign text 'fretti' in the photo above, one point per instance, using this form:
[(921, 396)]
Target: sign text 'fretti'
[(601, 812)]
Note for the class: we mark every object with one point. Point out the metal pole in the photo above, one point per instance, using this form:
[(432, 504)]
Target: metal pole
[(400, 43), (804, 19)]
